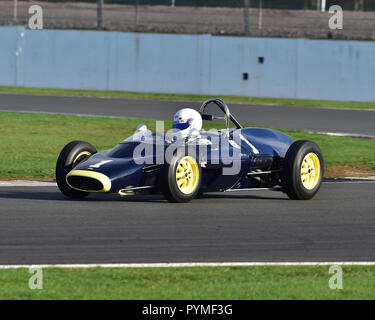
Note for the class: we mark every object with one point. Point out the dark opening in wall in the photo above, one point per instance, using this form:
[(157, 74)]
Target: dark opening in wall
[(245, 76), (261, 60)]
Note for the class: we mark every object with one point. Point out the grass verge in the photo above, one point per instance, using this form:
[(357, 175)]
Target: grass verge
[(31, 143), (260, 282), (194, 97)]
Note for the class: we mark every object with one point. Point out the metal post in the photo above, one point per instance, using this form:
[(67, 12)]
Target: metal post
[(323, 5), (100, 14), (260, 16), (173, 3), (136, 11), (15, 10), (246, 17), (359, 5)]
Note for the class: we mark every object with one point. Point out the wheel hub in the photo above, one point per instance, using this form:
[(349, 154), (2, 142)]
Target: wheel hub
[(310, 171)]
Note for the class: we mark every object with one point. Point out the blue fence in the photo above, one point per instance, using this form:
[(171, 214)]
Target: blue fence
[(200, 64)]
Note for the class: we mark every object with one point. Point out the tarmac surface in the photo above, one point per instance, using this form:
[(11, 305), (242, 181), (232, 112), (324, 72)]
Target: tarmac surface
[(39, 225)]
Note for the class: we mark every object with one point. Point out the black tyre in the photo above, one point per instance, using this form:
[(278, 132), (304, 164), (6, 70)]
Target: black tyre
[(303, 170), (180, 180), (71, 155)]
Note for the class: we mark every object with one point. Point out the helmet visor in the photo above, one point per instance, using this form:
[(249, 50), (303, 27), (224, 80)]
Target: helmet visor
[(181, 125)]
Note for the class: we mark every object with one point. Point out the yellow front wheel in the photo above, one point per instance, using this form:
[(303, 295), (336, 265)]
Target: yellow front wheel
[(70, 156), (187, 174), (180, 179)]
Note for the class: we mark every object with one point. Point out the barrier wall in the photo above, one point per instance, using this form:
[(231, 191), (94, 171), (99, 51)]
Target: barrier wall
[(200, 64)]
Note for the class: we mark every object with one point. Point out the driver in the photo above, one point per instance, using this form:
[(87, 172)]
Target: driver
[(185, 122)]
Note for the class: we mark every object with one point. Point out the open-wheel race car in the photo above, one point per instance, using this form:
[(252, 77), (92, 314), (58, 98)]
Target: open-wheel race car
[(188, 161)]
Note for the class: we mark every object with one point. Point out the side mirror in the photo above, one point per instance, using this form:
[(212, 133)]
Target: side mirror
[(207, 117), (141, 127)]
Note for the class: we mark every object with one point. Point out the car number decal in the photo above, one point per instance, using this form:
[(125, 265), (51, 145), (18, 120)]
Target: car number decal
[(99, 164)]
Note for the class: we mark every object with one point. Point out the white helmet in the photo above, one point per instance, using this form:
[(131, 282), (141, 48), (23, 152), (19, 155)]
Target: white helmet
[(187, 119)]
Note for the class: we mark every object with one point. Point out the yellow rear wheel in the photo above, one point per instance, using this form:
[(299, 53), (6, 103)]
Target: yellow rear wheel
[(303, 170), (310, 171)]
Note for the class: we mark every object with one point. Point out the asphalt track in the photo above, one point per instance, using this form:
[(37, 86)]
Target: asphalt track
[(352, 122), (38, 225)]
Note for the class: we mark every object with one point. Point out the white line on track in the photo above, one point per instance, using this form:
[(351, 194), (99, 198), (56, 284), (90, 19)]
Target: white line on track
[(362, 180), (69, 114), (27, 183), (339, 134), (189, 264)]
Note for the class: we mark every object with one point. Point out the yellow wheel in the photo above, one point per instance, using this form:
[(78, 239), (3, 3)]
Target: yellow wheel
[(71, 156), (310, 171), (180, 178), (187, 175), (303, 169), (82, 156)]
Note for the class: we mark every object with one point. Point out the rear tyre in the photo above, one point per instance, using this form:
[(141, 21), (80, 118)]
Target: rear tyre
[(303, 170), (71, 155), (180, 180)]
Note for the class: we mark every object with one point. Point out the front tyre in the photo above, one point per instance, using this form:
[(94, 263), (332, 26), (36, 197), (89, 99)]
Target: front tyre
[(71, 155), (180, 180), (303, 170)]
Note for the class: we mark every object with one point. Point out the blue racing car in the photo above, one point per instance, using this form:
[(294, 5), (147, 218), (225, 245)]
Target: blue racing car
[(187, 161)]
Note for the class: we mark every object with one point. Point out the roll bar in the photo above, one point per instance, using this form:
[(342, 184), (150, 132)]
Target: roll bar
[(223, 106)]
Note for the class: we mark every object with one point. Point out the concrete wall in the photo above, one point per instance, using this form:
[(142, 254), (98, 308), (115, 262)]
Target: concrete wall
[(300, 68)]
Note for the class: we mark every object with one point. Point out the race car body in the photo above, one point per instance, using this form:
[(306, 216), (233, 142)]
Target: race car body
[(229, 159)]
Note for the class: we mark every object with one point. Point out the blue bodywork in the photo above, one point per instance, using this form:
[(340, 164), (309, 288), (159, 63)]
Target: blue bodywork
[(260, 150)]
